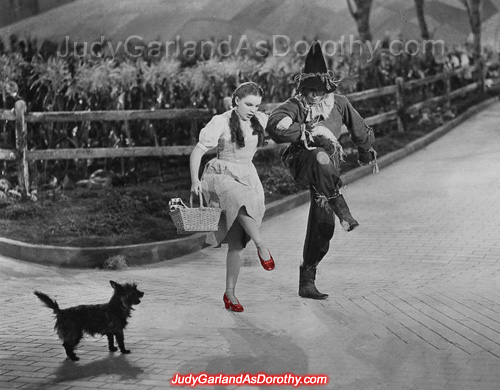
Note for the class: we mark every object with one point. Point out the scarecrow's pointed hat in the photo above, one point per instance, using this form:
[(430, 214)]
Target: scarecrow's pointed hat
[(315, 62), (315, 75)]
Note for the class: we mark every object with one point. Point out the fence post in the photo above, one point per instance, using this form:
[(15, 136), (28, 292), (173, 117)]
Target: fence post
[(447, 90), (480, 72), (193, 131), (400, 103), (22, 148)]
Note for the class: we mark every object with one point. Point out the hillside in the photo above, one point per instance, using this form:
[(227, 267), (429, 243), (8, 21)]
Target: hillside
[(12, 11), (257, 19)]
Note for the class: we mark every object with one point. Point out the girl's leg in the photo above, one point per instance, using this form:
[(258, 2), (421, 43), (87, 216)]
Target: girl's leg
[(233, 264), (233, 259), (251, 228)]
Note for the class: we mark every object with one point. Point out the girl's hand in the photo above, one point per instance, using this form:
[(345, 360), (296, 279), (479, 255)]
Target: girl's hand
[(196, 187), (285, 123)]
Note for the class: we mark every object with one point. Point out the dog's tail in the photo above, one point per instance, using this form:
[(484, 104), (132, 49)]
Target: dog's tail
[(50, 303)]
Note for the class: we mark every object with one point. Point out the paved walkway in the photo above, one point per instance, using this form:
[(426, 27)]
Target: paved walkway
[(413, 293)]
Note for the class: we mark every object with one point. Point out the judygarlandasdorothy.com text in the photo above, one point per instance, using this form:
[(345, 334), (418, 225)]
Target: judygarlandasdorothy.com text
[(134, 46)]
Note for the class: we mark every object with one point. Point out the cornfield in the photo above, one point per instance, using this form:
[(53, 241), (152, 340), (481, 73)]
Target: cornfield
[(48, 82)]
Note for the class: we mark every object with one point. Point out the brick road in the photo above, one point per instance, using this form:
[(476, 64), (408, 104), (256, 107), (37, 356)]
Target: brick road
[(413, 293)]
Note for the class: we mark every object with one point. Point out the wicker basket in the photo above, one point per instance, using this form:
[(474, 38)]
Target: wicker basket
[(196, 219)]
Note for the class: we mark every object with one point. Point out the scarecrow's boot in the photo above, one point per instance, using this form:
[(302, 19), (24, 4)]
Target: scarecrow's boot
[(307, 289), (341, 210)]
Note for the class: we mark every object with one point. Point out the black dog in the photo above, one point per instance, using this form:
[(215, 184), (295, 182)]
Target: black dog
[(108, 319)]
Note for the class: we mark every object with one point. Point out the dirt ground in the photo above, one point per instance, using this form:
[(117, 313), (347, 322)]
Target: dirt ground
[(113, 213)]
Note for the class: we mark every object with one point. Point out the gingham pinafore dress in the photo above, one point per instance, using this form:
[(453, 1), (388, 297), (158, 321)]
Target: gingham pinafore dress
[(230, 181)]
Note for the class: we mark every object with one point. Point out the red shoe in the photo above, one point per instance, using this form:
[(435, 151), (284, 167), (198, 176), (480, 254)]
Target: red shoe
[(268, 265), (231, 305)]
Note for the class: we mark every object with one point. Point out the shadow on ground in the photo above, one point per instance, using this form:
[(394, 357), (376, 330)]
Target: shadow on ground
[(252, 350), (118, 367)]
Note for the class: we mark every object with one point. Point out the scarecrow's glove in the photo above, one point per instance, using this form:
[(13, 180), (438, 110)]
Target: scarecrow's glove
[(368, 157), (322, 131)]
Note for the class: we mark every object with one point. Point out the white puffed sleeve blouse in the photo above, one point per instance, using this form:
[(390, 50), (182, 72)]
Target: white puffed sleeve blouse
[(217, 127)]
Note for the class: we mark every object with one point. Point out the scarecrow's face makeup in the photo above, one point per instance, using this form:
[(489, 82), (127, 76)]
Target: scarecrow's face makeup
[(314, 96)]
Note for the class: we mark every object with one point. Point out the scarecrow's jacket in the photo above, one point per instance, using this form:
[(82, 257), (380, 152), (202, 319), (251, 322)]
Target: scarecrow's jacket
[(343, 114)]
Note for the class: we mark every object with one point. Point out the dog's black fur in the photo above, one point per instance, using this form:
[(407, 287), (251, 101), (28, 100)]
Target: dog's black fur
[(108, 319)]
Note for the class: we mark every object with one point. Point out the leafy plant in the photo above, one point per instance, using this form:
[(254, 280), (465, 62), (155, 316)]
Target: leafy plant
[(88, 82)]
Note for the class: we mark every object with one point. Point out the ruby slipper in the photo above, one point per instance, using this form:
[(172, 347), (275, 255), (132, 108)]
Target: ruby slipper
[(268, 265), (230, 305)]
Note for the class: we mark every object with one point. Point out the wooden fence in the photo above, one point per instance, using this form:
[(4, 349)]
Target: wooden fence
[(23, 156)]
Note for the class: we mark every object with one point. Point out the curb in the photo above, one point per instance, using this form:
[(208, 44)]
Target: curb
[(142, 254)]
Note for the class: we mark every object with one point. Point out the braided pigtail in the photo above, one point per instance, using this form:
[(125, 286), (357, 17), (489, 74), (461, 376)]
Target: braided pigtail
[(236, 132), (258, 130)]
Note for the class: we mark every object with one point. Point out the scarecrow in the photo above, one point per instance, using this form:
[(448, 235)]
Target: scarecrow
[(311, 122)]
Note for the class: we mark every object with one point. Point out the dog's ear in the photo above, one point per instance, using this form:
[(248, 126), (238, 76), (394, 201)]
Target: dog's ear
[(116, 286)]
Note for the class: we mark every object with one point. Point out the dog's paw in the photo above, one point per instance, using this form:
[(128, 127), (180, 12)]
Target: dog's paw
[(125, 351), (113, 349), (74, 358)]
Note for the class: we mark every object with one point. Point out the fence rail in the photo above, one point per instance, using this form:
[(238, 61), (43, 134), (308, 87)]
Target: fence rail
[(372, 93), (22, 155), (118, 115)]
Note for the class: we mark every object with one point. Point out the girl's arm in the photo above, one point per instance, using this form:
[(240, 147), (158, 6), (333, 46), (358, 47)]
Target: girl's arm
[(208, 139), (194, 169)]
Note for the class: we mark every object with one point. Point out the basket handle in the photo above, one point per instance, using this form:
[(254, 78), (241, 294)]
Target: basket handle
[(191, 199)]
